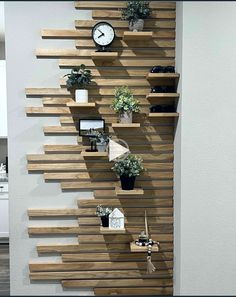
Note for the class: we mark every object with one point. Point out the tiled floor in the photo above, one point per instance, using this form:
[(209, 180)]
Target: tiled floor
[(4, 270)]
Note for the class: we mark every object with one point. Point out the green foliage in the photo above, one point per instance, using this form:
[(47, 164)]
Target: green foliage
[(129, 166), (136, 10), (102, 211), (79, 78), (102, 137), (124, 100)]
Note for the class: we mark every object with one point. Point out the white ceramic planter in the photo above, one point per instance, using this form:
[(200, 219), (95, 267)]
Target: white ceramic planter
[(136, 26), (126, 117), (101, 147), (81, 96)]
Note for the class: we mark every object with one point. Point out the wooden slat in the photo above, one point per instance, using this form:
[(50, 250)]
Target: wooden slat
[(79, 266), (97, 176), (47, 110), (163, 114), (104, 56), (117, 283), (120, 4), (130, 35), (147, 193), (147, 291), (121, 62), (46, 92), (53, 230), (113, 231), (77, 148), (142, 249), (122, 44), (95, 248), (122, 238), (116, 257), (126, 202), (53, 212), (98, 274), (148, 24), (134, 212), (75, 34), (109, 185), (134, 192)]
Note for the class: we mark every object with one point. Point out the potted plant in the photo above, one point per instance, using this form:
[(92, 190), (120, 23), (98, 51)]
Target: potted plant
[(103, 212), (135, 12), (78, 79), (127, 169), (102, 140), (125, 104)]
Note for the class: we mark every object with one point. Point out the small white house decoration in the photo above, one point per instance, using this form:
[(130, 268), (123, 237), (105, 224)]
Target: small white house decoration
[(116, 219)]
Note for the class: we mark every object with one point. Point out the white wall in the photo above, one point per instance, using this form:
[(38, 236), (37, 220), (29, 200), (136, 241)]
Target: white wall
[(208, 150), (24, 20)]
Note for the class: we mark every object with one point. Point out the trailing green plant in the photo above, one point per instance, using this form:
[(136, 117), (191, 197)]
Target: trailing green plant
[(102, 211), (129, 166), (136, 10), (79, 78), (124, 100), (102, 137)]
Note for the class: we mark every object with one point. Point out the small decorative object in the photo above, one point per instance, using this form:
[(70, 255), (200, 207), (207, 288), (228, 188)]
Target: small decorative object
[(78, 79), (135, 13), (162, 69), (103, 212), (3, 173), (91, 128), (116, 219), (162, 108), (144, 240), (102, 140), (127, 169), (163, 89), (125, 104), (103, 35)]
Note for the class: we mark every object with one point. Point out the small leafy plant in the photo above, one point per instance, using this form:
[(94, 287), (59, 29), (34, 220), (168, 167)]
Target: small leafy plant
[(79, 78), (102, 211), (136, 10), (124, 100), (129, 166), (102, 137)]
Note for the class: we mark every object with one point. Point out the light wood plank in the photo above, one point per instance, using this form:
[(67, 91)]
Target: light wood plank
[(129, 35), (147, 291), (117, 283), (120, 4), (147, 193), (116, 257), (94, 154), (82, 105), (104, 56), (98, 274), (46, 92), (47, 110), (53, 230), (142, 249), (121, 62), (148, 24), (121, 125), (107, 230), (52, 212), (162, 95), (80, 266), (122, 192), (163, 114)]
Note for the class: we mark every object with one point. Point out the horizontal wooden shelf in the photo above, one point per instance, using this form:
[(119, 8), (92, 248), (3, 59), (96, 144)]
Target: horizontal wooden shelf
[(121, 125), (104, 55), (94, 154), (75, 104), (137, 191), (107, 230), (129, 35), (162, 95), (163, 114), (157, 76), (140, 249)]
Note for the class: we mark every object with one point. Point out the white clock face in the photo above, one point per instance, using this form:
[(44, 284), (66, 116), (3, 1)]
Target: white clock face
[(103, 34)]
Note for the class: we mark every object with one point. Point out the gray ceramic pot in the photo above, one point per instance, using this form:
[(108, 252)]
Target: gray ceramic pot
[(126, 117), (136, 25)]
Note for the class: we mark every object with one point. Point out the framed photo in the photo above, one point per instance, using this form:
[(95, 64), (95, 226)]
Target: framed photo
[(89, 127)]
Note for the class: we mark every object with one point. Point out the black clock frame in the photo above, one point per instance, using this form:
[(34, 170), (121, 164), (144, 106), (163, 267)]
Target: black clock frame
[(100, 47)]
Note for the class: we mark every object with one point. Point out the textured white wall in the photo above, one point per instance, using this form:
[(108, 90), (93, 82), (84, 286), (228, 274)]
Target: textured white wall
[(24, 20), (207, 262)]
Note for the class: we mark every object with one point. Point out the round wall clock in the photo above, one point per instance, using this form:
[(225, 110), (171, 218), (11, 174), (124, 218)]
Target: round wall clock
[(103, 35)]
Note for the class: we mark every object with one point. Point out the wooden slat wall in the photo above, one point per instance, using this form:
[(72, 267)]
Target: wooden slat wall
[(105, 262)]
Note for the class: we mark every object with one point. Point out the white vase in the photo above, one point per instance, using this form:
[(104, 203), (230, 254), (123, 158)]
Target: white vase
[(81, 96), (126, 117), (136, 25), (101, 147)]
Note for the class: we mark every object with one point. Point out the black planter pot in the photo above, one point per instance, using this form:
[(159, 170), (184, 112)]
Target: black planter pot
[(127, 183), (105, 221)]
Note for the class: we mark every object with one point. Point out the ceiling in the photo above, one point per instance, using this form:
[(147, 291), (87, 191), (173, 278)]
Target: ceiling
[(2, 23)]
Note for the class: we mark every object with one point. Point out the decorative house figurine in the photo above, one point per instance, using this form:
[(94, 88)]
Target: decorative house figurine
[(116, 219)]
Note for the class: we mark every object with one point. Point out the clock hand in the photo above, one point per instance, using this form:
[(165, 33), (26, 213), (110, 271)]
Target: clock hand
[(100, 31), (101, 35)]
